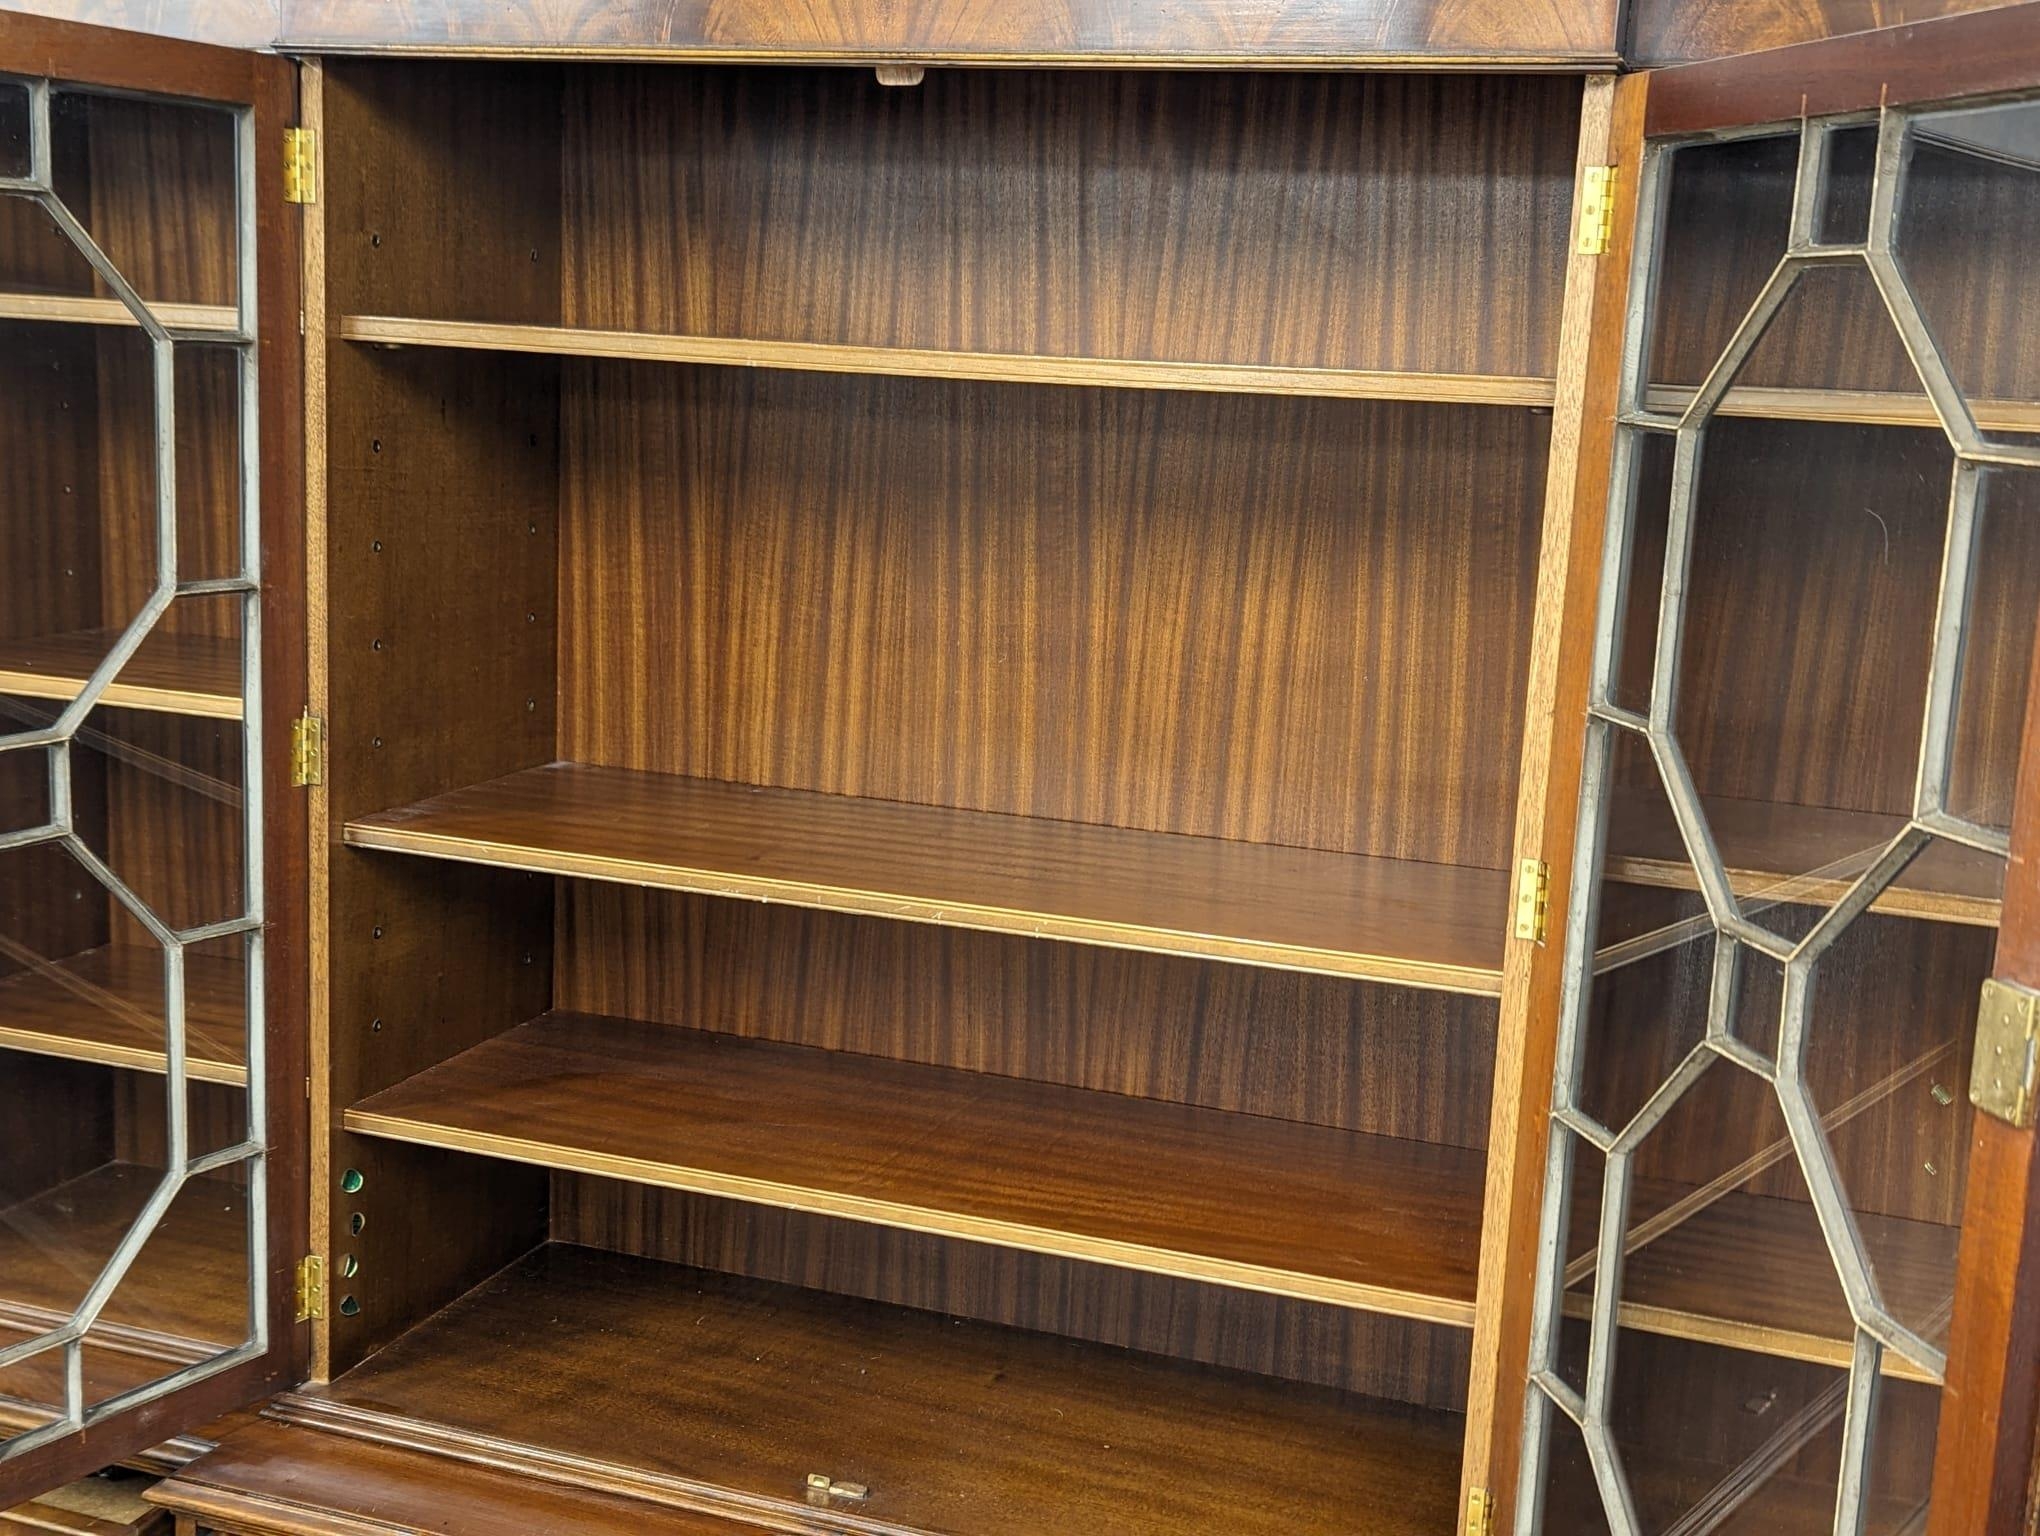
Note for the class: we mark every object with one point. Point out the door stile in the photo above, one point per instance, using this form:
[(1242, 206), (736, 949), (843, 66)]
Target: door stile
[(266, 88), (1984, 1460), (1984, 1473), (1554, 739)]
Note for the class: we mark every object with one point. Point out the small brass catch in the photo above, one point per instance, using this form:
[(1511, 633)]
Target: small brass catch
[(1597, 210), (1533, 900), (2007, 1060), (821, 1488)]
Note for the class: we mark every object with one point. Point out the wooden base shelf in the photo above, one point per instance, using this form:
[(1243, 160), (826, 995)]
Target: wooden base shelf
[(1423, 925), (1782, 850), (933, 363), (270, 1476), (173, 674), (106, 1005), (1323, 1215), (951, 1425), (1298, 1210)]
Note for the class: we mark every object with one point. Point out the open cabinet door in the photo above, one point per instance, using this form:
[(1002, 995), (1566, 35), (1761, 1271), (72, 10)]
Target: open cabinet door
[(1783, 1274), (152, 656)]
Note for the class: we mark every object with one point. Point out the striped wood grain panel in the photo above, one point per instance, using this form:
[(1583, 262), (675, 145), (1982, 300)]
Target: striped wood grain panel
[(1287, 621), (56, 1124), (49, 539), (1407, 224), (1382, 1356), (176, 833), (1336, 914), (1245, 1038)]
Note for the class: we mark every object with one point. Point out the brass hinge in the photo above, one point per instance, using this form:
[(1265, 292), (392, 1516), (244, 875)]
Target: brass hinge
[(1597, 210), (1480, 1513), (1533, 900), (300, 166), (307, 750), (2007, 1060), (311, 1287)]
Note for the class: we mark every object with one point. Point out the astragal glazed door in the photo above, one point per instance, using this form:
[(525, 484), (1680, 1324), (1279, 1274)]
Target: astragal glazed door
[(151, 657), (1784, 1198)]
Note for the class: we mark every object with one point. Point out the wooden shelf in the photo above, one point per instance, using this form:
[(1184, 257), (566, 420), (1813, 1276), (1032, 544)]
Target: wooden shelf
[(1424, 925), (1298, 1210), (80, 309), (952, 1425), (1005, 367), (1766, 845), (1880, 408), (106, 1005), (1752, 1273), (172, 674), (1306, 1211)]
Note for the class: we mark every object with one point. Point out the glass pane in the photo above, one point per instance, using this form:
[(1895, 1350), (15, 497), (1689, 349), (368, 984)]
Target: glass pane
[(113, 968), (15, 150), (1812, 588), (1965, 236), (1845, 201), (1727, 216), (1990, 706), (153, 185), (1651, 456), (1776, 1046)]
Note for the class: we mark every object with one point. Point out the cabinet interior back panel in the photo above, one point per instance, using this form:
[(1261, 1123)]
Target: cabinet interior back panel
[(1289, 621), (1393, 1061), (1392, 1357), (1355, 221)]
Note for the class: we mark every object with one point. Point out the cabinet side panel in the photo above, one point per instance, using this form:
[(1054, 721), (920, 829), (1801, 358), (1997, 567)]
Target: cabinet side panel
[(442, 185), (441, 566)]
